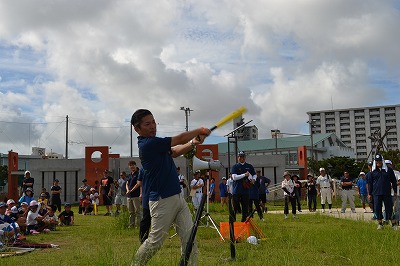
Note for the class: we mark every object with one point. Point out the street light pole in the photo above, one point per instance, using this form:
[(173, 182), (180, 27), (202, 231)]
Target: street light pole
[(312, 123)]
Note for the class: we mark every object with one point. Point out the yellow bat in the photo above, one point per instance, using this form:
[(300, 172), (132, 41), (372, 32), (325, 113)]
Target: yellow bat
[(229, 117)]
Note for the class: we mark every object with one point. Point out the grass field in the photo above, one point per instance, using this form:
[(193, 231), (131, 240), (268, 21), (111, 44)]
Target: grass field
[(312, 239)]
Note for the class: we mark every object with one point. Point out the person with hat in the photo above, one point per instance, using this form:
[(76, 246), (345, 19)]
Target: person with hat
[(223, 192), (167, 206), (325, 189), (27, 196), (243, 174), (311, 188), (27, 182), (288, 192), (380, 184), (56, 190), (84, 189), (34, 221), (10, 204), (8, 227), (196, 187), (66, 217), (362, 191)]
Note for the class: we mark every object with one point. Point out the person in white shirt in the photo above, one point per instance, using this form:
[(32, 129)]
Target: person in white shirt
[(182, 180), (197, 185), (324, 183), (288, 192)]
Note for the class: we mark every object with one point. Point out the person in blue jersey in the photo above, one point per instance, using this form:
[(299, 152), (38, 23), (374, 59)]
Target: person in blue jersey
[(380, 183), (362, 191), (167, 206), (242, 173)]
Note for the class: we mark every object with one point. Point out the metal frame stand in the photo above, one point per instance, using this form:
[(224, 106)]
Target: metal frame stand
[(207, 214)]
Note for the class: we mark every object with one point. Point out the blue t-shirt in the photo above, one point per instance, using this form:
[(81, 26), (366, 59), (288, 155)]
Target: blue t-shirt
[(253, 190), (239, 169), (223, 190), (145, 194), (362, 184), (263, 181), (159, 168), (212, 188)]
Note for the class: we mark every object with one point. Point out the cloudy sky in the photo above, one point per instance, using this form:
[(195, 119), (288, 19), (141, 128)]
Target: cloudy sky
[(98, 60)]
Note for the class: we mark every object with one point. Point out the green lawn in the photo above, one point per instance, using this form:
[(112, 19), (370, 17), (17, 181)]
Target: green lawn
[(310, 240)]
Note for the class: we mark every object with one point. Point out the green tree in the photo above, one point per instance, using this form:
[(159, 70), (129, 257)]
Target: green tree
[(335, 166), (394, 156)]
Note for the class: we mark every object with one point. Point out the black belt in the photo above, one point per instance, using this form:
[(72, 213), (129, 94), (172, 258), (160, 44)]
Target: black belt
[(199, 192), (346, 188)]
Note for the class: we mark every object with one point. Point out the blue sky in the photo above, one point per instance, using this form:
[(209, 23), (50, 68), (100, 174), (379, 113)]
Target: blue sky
[(98, 61)]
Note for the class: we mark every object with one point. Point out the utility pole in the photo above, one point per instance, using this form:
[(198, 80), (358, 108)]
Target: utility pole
[(66, 138), (187, 113)]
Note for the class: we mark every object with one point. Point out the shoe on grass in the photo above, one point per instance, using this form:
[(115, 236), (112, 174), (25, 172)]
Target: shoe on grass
[(380, 227)]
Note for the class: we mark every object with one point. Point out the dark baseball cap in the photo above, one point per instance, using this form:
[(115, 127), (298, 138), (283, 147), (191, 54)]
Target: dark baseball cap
[(378, 157), (242, 154)]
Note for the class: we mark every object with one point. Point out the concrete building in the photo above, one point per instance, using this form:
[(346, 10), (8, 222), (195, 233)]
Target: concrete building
[(354, 126)]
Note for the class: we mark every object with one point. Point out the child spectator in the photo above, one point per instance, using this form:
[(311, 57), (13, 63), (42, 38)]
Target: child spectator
[(94, 196), (67, 216), (51, 220), (7, 226), (44, 190), (10, 204), (56, 194), (34, 221), (87, 205), (43, 208), (27, 196), (22, 214), (42, 199)]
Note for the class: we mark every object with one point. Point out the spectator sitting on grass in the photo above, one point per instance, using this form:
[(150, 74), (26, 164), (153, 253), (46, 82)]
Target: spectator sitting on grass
[(67, 216), (7, 225), (21, 216), (27, 196), (10, 204), (51, 220), (87, 205), (34, 221), (43, 199)]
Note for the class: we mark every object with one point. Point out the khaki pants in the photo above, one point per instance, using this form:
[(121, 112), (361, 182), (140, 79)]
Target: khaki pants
[(348, 194), (135, 214), (164, 213)]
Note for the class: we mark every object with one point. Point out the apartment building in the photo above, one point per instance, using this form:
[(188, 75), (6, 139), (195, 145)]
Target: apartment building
[(355, 126)]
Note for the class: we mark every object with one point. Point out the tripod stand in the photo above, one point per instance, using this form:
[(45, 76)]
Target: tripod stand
[(207, 214)]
